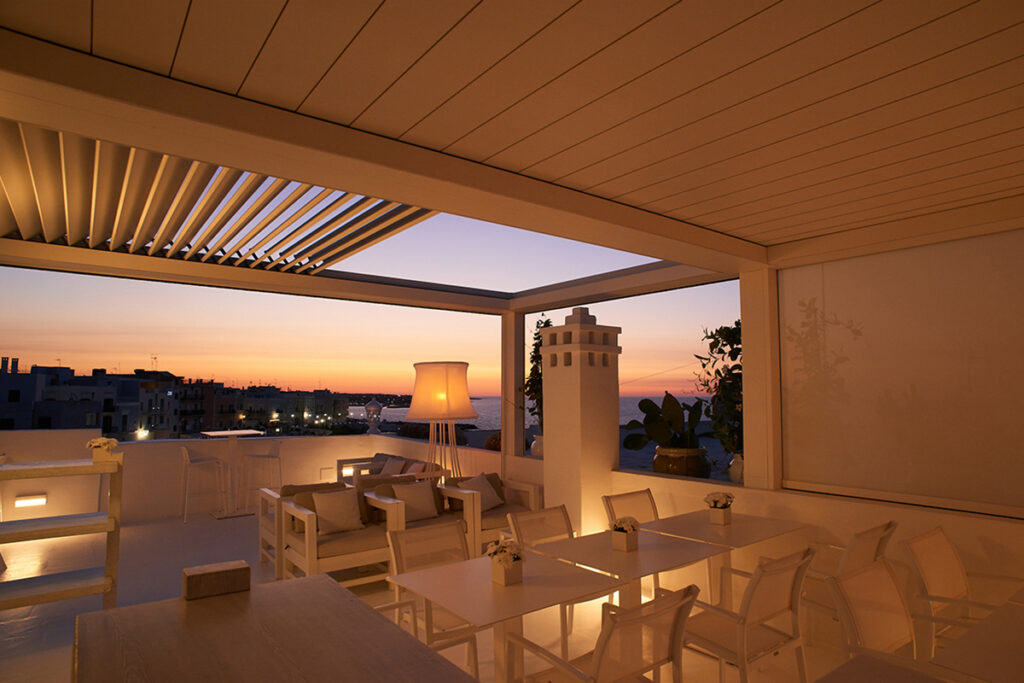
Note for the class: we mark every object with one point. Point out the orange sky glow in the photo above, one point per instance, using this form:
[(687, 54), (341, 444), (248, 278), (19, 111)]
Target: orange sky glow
[(242, 338)]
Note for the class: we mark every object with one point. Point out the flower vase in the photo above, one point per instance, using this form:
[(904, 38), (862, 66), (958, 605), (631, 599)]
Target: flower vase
[(721, 516), (625, 541), (506, 575)]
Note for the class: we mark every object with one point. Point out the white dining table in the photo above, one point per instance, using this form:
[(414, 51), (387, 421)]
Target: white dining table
[(655, 553), (466, 590), (744, 530), (992, 649)]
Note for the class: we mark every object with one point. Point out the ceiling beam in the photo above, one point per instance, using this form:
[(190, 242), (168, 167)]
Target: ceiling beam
[(61, 89), (38, 255)]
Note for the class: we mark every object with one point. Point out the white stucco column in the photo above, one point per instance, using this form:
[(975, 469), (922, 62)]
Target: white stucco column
[(581, 416)]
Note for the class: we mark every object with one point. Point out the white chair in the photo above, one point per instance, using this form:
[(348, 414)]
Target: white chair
[(255, 464), (831, 560), (947, 589), (430, 546), (639, 505), (632, 642), (533, 527), (875, 617), (744, 636), (469, 640), (189, 462)]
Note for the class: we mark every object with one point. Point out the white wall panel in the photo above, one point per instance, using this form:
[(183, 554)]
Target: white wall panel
[(901, 375)]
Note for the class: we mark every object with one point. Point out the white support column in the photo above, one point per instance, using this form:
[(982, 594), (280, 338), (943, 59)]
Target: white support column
[(762, 395), (513, 372), (581, 416)]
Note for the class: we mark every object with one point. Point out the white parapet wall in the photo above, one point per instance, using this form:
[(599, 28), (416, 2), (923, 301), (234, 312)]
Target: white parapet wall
[(153, 470)]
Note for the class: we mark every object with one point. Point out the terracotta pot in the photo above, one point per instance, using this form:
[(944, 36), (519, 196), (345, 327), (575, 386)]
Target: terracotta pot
[(506, 576), (625, 541), (687, 462)]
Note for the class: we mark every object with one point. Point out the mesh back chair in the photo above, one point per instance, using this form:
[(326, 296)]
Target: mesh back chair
[(189, 462), (875, 617), (542, 526), (430, 546), (632, 642), (831, 560), (637, 504), (255, 464), (744, 637)]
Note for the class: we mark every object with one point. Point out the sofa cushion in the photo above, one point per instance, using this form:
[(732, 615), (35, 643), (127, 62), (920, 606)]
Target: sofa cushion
[(393, 466), (415, 466), (488, 496), (370, 537), (496, 518), (369, 482), (492, 477), (419, 500), (388, 491), (304, 499), (337, 511)]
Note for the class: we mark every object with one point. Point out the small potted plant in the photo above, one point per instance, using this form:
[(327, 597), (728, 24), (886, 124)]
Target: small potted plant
[(506, 562), (673, 426), (721, 376), (102, 448), (625, 534), (720, 503)]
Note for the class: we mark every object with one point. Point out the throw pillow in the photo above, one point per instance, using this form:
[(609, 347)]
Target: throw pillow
[(393, 466), (419, 500), (337, 511), (416, 466), (489, 498)]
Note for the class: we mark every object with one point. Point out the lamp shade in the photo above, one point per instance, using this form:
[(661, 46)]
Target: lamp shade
[(440, 392)]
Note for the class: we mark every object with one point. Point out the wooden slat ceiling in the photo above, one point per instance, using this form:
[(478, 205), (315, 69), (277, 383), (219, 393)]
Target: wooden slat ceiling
[(768, 121), (62, 188)]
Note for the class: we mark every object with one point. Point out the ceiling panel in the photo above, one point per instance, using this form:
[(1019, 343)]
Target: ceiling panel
[(397, 35), (723, 96), (143, 34), (306, 40), (222, 39), (656, 42), (572, 38), (77, 157), (65, 22), (484, 36)]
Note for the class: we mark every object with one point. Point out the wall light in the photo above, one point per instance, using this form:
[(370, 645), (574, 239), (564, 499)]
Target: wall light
[(29, 501)]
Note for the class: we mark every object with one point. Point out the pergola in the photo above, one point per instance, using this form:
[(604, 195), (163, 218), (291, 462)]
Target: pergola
[(725, 140)]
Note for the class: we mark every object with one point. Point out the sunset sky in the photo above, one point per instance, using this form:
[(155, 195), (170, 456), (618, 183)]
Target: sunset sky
[(242, 338)]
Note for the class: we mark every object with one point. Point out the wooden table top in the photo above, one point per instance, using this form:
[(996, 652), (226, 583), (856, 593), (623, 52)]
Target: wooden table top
[(308, 629), (466, 589), (863, 668), (992, 649), (743, 531), (655, 553)]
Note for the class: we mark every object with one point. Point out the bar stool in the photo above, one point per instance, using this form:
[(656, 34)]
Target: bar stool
[(258, 461), (188, 462)]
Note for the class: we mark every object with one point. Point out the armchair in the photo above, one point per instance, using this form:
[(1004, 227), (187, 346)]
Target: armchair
[(485, 522), (270, 520)]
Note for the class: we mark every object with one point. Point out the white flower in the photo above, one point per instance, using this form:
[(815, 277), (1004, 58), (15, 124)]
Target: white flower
[(101, 442), (718, 499), (504, 552), (627, 524)]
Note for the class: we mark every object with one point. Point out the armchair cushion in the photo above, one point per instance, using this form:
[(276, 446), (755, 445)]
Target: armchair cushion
[(489, 498), (393, 466), (419, 500), (337, 511), (416, 466), (371, 482), (370, 537), (289, 490), (492, 477), (497, 518)]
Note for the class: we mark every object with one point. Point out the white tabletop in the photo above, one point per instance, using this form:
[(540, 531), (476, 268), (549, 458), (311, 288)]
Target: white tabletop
[(655, 553), (466, 589), (992, 649), (743, 531), (863, 668)]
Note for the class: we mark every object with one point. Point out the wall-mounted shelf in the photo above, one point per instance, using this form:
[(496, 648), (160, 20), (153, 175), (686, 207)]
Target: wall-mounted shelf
[(80, 582)]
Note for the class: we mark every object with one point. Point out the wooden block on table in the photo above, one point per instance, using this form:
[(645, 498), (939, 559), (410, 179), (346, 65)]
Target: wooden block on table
[(215, 579)]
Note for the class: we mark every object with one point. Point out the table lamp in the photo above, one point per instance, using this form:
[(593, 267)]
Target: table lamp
[(441, 396)]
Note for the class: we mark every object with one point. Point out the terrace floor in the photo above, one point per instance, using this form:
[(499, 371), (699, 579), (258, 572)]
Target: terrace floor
[(35, 642)]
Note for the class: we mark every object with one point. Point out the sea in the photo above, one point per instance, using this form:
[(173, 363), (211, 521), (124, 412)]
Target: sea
[(489, 410)]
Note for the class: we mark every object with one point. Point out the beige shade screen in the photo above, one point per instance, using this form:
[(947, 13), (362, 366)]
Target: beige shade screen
[(903, 375)]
